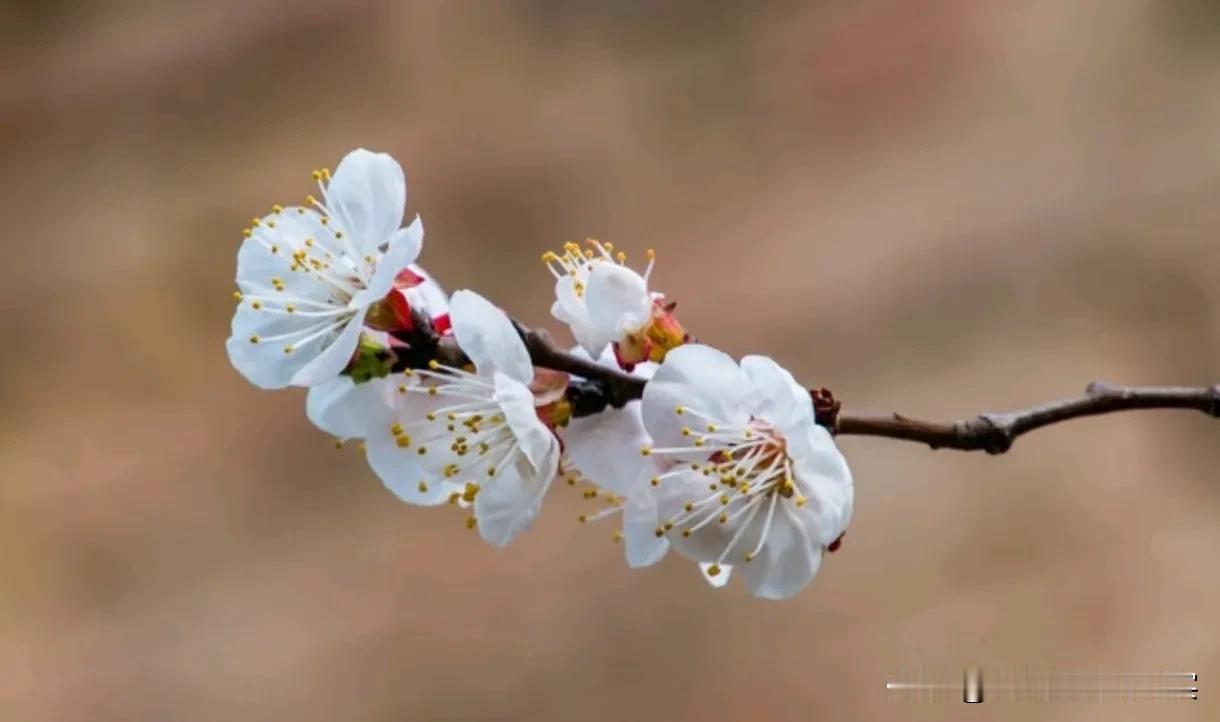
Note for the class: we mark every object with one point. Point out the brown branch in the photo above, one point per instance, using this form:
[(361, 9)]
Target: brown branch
[(604, 387), (995, 433)]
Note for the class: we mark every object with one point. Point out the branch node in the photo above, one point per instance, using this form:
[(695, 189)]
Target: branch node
[(825, 408), (1100, 388), (994, 432)]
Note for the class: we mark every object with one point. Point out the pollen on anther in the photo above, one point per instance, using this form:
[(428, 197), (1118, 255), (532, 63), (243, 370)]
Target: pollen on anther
[(256, 305), (422, 450), (290, 308), (254, 339), (582, 518), (713, 570), (679, 410), (655, 481), (660, 532), (402, 389), (686, 533), (433, 391), (287, 349), (646, 451), (402, 441), (422, 486), (471, 522), (616, 537)]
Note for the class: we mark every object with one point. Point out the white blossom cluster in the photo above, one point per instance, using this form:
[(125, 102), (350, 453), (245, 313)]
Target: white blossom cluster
[(721, 461)]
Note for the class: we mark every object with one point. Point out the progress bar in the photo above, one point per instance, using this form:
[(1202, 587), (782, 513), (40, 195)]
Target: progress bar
[(1030, 684)]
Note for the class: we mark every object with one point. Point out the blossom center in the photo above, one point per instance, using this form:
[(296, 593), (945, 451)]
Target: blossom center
[(749, 473)]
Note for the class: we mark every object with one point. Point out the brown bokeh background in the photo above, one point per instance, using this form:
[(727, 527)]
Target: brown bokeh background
[(942, 208)]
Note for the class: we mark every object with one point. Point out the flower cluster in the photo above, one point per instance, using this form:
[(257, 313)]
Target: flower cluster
[(721, 461)]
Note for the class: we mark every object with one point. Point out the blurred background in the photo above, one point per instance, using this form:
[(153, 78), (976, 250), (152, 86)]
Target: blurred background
[(941, 208)]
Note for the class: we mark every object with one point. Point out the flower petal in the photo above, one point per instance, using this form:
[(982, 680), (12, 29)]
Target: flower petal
[(429, 296), (404, 248), (642, 545), (257, 343), (508, 504), (617, 300), (776, 396), (569, 307), (517, 404), (414, 478), (606, 448), (342, 407), (486, 335), (366, 197), (787, 562), (718, 580), (825, 479), (334, 357), (697, 377)]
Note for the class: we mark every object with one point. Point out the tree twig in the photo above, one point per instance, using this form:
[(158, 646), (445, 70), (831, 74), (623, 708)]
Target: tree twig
[(601, 387)]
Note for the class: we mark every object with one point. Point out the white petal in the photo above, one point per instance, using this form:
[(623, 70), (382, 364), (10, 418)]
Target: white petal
[(342, 407), (708, 542), (606, 448), (825, 479), (719, 580), (569, 307), (486, 335), (517, 404), (617, 299), (268, 254), (700, 378), (265, 363), (403, 250), (508, 504), (787, 562), (429, 296), (335, 355), (645, 370), (642, 545), (776, 396), (366, 196), (402, 469)]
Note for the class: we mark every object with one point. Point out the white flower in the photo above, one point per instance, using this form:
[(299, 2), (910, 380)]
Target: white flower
[(309, 277), (479, 437), (766, 487), (606, 303), (341, 407)]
